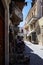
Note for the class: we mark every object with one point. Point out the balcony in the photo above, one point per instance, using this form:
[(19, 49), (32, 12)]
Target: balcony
[(33, 19), (16, 11)]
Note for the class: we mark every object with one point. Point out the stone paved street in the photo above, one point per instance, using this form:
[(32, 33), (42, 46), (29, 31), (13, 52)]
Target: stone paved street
[(35, 52)]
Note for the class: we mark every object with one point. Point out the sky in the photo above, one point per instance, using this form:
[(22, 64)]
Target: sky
[(25, 12)]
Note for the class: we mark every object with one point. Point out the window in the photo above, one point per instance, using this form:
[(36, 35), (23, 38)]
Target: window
[(32, 14), (42, 11), (34, 25), (34, 36), (31, 26)]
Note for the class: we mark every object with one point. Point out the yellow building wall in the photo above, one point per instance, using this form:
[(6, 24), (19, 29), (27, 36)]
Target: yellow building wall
[(40, 21), (40, 36)]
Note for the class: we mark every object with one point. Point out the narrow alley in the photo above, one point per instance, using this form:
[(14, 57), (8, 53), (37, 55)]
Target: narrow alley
[(21, 32)]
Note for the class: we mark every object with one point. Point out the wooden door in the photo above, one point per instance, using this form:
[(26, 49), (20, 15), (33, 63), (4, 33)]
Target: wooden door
[(1, 41)]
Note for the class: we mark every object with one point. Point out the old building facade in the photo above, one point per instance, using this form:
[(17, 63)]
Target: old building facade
[(16, 16), (9, 17), (34, 23)]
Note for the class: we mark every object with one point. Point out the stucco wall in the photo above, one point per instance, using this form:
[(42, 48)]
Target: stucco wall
[(39, 25)]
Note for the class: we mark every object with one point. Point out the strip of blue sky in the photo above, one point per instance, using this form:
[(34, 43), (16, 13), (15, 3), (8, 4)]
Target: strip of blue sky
[(25, 12)]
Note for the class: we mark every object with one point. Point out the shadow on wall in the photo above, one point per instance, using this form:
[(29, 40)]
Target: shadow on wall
[(34, 58)]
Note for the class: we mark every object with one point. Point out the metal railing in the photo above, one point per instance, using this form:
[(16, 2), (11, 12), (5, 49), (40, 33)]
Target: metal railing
[(33, 18), (17, 11)]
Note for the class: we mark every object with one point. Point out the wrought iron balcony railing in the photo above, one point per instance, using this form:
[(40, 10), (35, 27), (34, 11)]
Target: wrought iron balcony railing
[(33, 19), (15, 10), (18, 12)]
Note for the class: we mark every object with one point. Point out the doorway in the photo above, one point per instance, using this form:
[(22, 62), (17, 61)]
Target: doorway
[(30, 38), (34, 38)]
